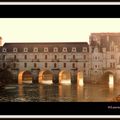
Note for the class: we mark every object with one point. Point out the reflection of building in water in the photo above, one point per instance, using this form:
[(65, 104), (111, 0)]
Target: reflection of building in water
[(61, 62), (20, 91)]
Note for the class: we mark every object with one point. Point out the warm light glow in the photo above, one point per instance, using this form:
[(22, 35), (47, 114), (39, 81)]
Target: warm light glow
[(111, 80), (81, 82), (66, 82), (49, 82), (28, 82), (80, 79)]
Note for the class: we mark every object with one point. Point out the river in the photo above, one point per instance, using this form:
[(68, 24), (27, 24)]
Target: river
[(58, 93)]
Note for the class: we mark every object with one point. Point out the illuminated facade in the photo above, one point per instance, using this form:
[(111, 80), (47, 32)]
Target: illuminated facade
[(41, 62)]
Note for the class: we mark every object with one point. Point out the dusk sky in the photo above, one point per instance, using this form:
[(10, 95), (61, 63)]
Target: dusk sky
[(54, 29)]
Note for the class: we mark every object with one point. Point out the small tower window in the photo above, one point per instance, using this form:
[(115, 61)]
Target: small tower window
[(64, 49), (4, 50), (73, 49), (84, 49), (55, 49), (25, 49), (14, 49), (46, 49), (35, 50)]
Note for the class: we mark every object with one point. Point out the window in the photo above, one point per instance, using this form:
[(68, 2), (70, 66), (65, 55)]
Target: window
[(25, 49), (15, 57), (4, 50), (64, 65), (73, 56), (14, 65), (25, 65), (73, 49), (14, 49), (25, 57), (35, 50), (84, 49), (64, 49), (4, 65), (55, 57), (45, 57), (84, 57), (110, 65), (84, 65), (65, 57), (95, 66), (73, 65), (112, 56), (55, 49), (3, 57), (55, 65), (35, 56), (35, 65), (46, 49), (46, 65)]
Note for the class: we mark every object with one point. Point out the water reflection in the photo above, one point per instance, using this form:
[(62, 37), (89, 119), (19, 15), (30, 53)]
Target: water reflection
[(20, 91), (59, 93)]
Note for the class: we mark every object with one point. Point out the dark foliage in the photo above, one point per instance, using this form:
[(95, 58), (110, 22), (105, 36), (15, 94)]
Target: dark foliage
[(5, 77)]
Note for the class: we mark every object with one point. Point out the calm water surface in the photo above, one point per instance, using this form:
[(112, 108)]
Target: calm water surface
[(58, 93)]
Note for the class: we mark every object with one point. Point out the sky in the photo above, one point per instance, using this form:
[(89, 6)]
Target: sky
[(54, 29)]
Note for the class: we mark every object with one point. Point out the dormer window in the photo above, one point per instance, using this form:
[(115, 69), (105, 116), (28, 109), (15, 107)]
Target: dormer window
[(55, 49), (4, 50), (84, 49), (25, 49), (14, 49), (46, 49), (73, 49), (35, 50), (64, 49)]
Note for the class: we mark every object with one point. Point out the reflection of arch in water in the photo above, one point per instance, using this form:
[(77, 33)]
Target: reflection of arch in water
[(64, 77), (108, 77), (25, 77), (45, 77), (80, 79)]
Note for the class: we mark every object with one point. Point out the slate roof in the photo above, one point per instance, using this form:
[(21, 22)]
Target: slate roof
[(41, 46)]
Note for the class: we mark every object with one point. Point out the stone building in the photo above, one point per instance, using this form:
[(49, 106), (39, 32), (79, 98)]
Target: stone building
[(64, 62)]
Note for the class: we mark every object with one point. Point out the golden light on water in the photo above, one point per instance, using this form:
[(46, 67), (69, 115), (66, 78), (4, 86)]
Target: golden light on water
[(49, 82), (80, 80), (111, 81), (28, 81), (66, 82)]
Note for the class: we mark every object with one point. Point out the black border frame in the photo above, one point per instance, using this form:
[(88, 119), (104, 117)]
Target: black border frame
[(59, 11)]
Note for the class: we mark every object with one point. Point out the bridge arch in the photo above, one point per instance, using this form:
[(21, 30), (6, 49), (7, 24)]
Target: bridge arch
[(25, 77), (45, 77), (64, 77), (108, 77)]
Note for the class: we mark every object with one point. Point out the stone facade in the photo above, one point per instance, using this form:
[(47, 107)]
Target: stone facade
[(100, 56)]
